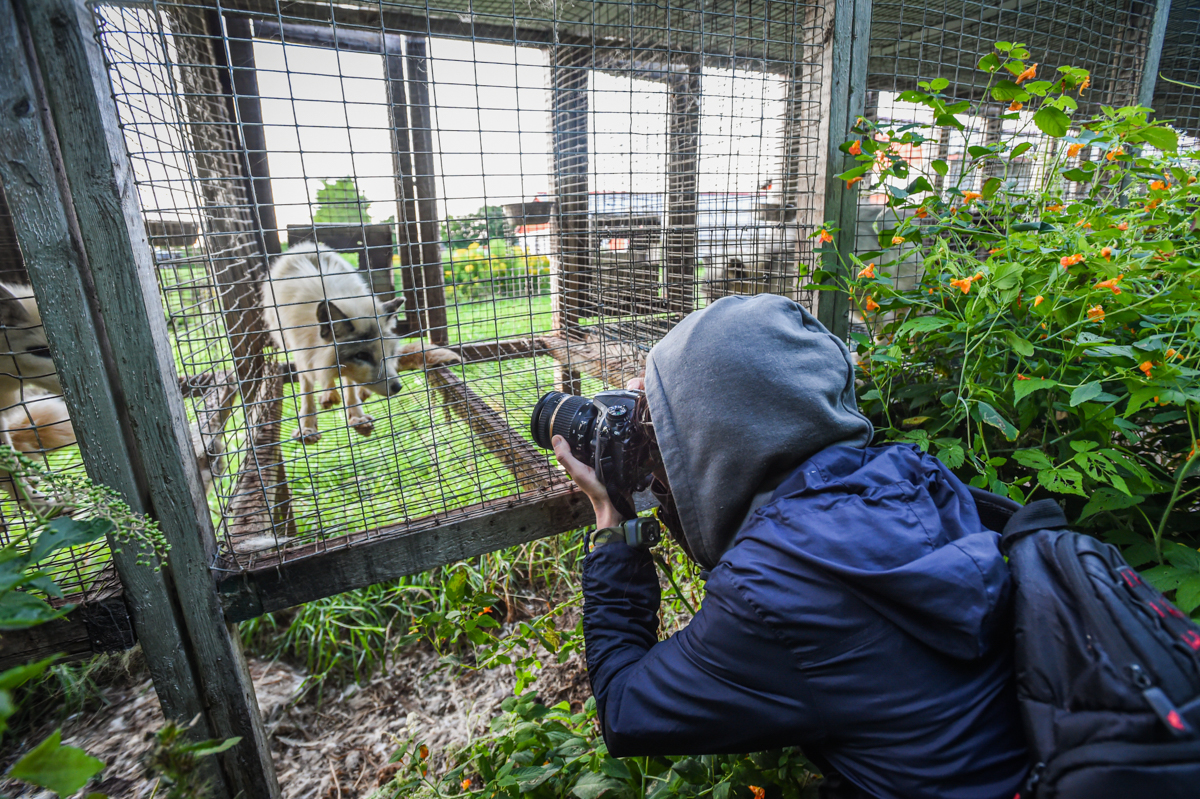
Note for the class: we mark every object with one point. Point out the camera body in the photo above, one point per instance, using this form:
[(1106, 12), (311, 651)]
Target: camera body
[(603, 432)]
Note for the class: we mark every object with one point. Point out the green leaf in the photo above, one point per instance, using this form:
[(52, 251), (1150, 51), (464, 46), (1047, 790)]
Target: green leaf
[(1077, 175), (922, 324), (1051, 121), (1187, 595), (596, 786), (941, 167), (1020, 150), (951, 454), (990, 187), (989, 415), (1163, 139), (615, 768), (1019, 345), (1023, 388), (1088, 391), (1033, 458), (989, 63), (691, 770), (19, 675), (19, 611), (1064, 480), (50, 765), (721, 791), (938, 84), (67, 532), (531, 777), (1006, 91), (1106, 499), (1165, 578), (1038, 87), (214, 746)]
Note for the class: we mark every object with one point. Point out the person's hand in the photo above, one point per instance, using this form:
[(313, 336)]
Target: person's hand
[(636, 383), (585, 477)]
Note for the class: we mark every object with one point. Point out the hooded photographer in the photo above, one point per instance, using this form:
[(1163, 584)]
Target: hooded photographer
[(855, 603)]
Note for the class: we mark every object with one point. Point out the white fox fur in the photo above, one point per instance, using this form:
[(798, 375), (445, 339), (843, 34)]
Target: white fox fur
[(321, 311)]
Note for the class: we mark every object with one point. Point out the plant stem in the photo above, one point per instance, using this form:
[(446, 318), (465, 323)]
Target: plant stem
[(1162, 524)]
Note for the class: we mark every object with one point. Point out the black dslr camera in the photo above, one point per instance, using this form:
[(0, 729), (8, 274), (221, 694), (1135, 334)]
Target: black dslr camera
[(605, 432)]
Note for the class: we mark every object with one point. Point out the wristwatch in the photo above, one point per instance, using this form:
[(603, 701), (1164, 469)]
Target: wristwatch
[(640, 532)]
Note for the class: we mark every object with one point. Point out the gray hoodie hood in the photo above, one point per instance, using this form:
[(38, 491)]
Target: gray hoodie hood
[(741, 393)]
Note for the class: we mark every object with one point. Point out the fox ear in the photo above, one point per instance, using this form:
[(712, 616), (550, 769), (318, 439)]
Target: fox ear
[(391, 306), (334, 324), (12, 312)]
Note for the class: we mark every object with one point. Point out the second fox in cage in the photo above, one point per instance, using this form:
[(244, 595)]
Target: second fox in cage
[(321, 311)]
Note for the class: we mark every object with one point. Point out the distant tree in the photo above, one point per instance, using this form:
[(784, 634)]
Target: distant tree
[(339, 202), (482, 226)]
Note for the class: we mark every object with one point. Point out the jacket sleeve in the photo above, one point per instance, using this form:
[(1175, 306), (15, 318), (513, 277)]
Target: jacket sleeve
[(723, 684)]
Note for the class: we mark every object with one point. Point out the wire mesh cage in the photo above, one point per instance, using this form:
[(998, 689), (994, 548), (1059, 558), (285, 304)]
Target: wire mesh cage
[(447, 211)]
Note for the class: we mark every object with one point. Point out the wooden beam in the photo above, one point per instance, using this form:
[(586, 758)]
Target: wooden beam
[(525, 461), (847, 99), (412, 273), (570, 67), (101, 181), (612, 362), (683, 163), (102, 624), (243, 80), (51, 239), (420, 125), (1154, 47), (261, 504), (500, 350), (317, 571)]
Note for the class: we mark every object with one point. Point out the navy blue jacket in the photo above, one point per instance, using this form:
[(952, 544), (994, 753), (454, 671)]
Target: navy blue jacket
[(861, 614)]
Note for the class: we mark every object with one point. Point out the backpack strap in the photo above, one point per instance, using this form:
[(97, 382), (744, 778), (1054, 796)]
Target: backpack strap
[(1045, 514)]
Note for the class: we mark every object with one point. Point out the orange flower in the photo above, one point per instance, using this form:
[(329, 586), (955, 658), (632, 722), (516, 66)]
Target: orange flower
[(1111, 154), (1171, 353), (1022, 377), (1095, 313), (1146, 366), (1192, 454), (931, 291), (1073, 150), (1123, 226), (962, 283), (1106, 253), (921, 213), (871, 304), (994, 250), (825, 237), (1071, 260), (466, 784), (423, 751), (1015, 106), (1150, 206), (1086, 82), (855, 149), (970, 196), (1030, 72), (852, 181), (1159, 185), (898, 239), (1038, 300), (1084, 223), (1111, 283), (759, 793), (867, 271), (1056, 208)]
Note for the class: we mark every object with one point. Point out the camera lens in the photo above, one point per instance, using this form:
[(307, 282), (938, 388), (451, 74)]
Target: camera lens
[(553, 415)]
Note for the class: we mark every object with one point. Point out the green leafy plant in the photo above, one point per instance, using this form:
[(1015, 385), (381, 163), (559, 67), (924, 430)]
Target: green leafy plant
[(543, 752), (485, 225), (27, 583), (176, 761), (1046, 346), (339, 202)]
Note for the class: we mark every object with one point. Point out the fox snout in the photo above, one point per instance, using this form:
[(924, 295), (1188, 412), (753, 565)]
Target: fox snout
[(393, 386)]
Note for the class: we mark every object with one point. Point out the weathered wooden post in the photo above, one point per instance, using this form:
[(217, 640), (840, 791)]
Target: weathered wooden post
[(847, 78), (570, 69), (114, 351), (683, 162)]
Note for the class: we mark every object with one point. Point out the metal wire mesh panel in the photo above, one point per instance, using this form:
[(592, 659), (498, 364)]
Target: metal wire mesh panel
[(1176, 96), (918, 40), (382, 231)]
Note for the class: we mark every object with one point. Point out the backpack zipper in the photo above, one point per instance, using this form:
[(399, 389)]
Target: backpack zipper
[(1161, 704)]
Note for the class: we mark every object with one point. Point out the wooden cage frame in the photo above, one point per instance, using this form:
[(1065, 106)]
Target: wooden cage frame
[(84, 244)]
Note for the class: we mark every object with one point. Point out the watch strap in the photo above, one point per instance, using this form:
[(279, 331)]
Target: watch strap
[(607, 535)]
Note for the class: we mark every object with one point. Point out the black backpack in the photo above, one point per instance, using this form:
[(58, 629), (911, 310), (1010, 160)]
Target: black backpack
[(1108, 671)]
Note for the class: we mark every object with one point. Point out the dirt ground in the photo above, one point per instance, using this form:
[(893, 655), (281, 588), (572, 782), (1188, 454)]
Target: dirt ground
[(335, 748)]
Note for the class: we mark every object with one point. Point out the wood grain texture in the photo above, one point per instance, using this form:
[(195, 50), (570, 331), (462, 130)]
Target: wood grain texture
[(847, 98), (50, 238), (527, 464), (104, 194), (420, 126), (319, 571), (683, 164), (570, 66)]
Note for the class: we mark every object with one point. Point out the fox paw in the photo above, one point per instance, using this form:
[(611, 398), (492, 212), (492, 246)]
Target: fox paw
[(329, 399), (308, 435), (363, 425)]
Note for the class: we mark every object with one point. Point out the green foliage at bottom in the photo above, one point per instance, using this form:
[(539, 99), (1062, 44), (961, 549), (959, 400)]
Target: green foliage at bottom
[(539, 752)]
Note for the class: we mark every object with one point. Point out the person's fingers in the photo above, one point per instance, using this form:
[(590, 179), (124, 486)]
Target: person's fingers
[(636, 384), (562, 451)]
